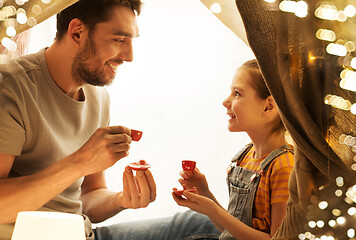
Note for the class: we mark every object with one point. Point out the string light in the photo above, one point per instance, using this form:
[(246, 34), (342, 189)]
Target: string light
[(300, 8), (350, 11), (215, 8)]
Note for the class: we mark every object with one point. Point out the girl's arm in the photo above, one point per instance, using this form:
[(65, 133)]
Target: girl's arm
[(223, 220)]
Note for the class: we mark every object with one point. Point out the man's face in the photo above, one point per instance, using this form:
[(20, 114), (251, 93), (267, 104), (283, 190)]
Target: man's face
[(108, 46)]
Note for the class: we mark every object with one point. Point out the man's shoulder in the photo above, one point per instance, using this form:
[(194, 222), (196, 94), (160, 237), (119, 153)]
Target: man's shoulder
[(24, 64)]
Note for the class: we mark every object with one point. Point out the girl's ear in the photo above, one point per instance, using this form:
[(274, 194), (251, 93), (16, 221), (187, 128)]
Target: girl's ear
[(75, 31), (270, 104)]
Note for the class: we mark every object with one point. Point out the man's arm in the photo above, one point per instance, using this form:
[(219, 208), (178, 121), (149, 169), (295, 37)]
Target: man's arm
[(32, 192), (100, 204), (104, 148)]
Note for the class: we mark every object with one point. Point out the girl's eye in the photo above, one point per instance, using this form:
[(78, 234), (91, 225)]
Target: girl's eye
[(237, 93)]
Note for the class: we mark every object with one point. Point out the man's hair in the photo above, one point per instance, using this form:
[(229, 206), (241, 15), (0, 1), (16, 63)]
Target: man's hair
[(91, 12)]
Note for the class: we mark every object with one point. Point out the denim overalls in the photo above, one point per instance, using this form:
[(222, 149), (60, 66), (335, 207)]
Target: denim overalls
[(243, 186)]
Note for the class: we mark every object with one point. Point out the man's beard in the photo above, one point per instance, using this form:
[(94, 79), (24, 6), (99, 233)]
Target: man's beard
[(86, 66)]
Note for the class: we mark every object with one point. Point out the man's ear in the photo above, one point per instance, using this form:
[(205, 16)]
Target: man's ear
[(75, 31)]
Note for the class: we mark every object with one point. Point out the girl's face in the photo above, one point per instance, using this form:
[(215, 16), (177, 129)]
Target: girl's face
[(243, 105)]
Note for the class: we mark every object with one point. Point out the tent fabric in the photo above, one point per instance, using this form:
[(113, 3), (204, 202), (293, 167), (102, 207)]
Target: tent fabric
[(300, 73)]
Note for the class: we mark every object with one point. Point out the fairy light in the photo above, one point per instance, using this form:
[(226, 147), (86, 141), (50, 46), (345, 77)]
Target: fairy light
[(215, 8), (320, 223), (332, 223), (21, 18), (301, 9), (9, 44), (353, 109), (288, 6), (326, 11), (338, 193), (36, 9), (46, 1), (10, 31), (312, 224), (350, 11), (350, 46), (351, 233), (337, 102), (351, 211), (341, 220), (326, 35), (323, 205), (341, 16), (336, 212), (336, 49)]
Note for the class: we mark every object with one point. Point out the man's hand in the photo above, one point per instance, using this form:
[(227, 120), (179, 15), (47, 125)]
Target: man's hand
[(103, 149), (138, 191)]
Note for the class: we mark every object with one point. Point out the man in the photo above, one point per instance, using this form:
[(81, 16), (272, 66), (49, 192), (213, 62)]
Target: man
[(55, 141)]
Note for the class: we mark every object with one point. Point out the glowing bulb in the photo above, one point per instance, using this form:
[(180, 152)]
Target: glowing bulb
[(326, 35), (301, 9), (301, 236), (351, 233), (353, 63), (36, 9), (336, 49), (341, 220), (332, 223), (31, 21), (9, 44), (46, 1), (336, 212), (323, 205), (288, 6), (351, 211), (10, 31), (350, 46), (326, 11), (215, 8), (21, 18), (338, 193), (312, 224), (339, 181), (341, 16), (320, 223), (353, 109), (350, 11)]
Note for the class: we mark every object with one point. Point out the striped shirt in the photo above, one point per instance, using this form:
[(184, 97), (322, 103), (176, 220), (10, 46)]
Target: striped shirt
[(273, 186)]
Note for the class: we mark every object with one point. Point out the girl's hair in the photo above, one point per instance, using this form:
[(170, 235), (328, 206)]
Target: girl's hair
[(91, 12), (258, 83)]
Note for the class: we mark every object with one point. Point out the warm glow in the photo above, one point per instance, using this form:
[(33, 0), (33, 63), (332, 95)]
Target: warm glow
[(336, 49), (301, 9), (326, 11), (215, 8), (350, 11), (288, 6)]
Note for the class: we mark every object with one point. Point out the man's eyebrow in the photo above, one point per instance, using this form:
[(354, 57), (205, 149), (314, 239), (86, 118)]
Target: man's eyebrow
[(125, 34)]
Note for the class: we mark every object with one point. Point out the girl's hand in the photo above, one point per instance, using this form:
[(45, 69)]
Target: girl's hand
[(196, 202), (194, 179)]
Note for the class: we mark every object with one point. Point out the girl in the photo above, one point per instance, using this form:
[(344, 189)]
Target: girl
[(258, 175)]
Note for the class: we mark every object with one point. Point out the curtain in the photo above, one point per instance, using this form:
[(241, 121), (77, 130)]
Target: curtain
[(300, 73)]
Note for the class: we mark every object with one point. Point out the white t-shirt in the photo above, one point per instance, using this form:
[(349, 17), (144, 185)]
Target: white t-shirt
[(40, 124)]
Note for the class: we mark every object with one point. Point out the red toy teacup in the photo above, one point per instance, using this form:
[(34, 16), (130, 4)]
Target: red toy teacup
[(188, 165)]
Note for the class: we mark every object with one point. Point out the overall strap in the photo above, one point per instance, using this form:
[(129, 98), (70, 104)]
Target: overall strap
[(242, 153), (273, 155)]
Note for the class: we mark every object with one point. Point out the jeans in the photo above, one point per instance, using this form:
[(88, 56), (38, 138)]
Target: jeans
[(188, 225)]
